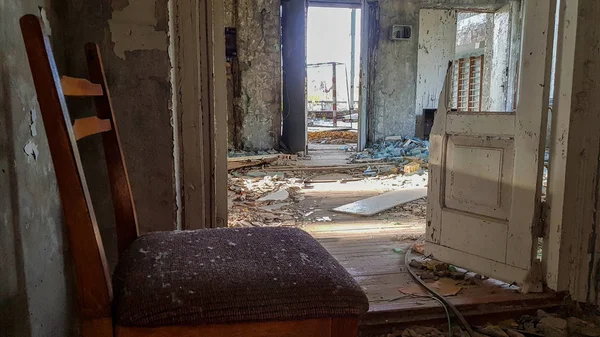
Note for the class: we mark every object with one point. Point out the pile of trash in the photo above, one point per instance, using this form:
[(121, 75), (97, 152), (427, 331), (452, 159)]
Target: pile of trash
[(397, 149)]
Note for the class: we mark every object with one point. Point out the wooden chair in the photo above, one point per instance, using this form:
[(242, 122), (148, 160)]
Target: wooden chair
[(267, 282)]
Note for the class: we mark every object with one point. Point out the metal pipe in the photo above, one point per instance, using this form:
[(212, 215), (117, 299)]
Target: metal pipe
[(334, 92), (352, 58), (351, 102)]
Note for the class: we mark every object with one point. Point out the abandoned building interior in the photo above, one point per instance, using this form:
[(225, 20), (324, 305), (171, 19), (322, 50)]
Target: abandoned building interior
[(414, 168)]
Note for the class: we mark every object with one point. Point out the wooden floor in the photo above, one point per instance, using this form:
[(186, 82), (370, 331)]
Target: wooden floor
[(367, 251), (366, 247)]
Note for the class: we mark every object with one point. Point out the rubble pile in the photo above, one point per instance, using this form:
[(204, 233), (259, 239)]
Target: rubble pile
[(397, 149), (333, 137), (262, 199), (542, 324), (267, 197)]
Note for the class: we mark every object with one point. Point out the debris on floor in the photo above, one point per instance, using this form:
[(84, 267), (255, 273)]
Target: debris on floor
[(396, 149), (542, 324), (333, 137), (269, 189), (444, 286)]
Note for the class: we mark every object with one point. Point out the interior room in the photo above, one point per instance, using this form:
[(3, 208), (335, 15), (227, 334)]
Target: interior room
[(341, 168)]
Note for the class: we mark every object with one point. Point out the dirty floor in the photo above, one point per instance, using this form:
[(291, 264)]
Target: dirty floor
[(371, 248)]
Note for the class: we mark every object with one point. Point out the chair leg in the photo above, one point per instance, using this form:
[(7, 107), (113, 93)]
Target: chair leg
[(344, 327), (102, 327)]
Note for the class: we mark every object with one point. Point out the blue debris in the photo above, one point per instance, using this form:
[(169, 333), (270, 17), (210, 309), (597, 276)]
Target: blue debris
[(396, 150), (369, 172)]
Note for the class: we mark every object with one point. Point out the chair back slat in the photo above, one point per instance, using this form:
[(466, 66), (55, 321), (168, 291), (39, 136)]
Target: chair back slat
[(85, 244), (73, 86), (123, 205), (88, 126)]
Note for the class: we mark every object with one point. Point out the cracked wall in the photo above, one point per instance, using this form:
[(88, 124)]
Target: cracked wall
[(255, 115), (392, 84), (35, 274), (133, 39)]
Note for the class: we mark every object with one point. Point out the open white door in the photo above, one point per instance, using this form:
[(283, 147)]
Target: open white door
[(486, 170)]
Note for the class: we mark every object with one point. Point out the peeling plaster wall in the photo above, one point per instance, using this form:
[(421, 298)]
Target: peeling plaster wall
[(501, 58), (472, 30), (437, 46), (133, 39), (230, 13), (391, 100), (35, 274), (257, 102)]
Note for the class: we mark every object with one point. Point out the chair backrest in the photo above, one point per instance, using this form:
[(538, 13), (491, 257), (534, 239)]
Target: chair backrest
[(93, 277)]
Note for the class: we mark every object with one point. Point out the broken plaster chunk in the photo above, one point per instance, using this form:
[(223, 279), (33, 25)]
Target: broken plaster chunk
[(31, 149), (553, 327), (579, 327), (416, 264), (133, 28), (493, 331)]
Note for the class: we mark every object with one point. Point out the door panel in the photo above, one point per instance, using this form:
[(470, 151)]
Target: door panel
[(485, 170), (481, 236), (481, 124), (478, 176)]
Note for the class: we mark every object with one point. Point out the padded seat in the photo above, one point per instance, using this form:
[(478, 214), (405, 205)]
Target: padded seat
[(231, 275)]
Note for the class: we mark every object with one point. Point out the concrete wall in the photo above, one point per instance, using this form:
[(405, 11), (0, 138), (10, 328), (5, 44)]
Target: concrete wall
[(35, 275), (437, 46), (134, 41), (257, 100), (392, 82), (393, 64)]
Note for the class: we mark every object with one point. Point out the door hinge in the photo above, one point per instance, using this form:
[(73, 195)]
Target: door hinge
[(539, 230)]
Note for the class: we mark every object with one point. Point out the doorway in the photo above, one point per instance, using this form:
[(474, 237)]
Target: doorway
[(333, 68)]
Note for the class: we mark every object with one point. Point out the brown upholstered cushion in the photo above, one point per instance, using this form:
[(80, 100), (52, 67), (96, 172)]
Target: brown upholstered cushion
[(231, 275)]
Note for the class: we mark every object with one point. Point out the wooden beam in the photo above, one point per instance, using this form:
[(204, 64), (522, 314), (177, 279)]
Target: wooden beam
[(530, 129), (200, 87)]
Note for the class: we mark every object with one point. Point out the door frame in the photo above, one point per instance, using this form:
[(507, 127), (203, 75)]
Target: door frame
[(199, 80), (530, 127), (362, 130), (571, 246)]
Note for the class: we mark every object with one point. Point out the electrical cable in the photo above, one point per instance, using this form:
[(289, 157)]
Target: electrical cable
[(463, 322), (447, 316)]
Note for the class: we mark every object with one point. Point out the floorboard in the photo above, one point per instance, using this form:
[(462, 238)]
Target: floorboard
[(370, 257)]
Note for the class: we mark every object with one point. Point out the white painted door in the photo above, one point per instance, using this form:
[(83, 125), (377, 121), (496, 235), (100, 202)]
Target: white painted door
[(486, 169)]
